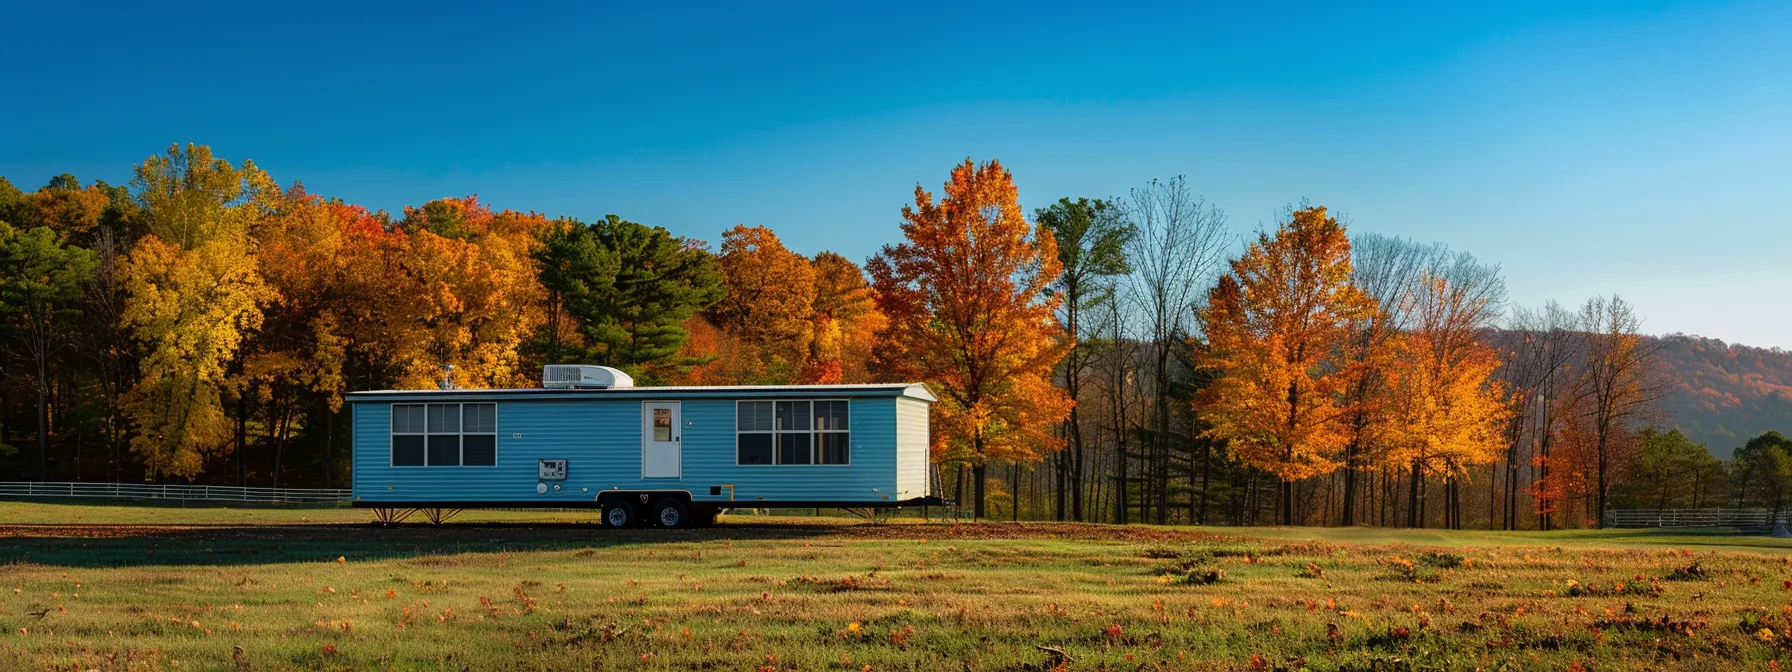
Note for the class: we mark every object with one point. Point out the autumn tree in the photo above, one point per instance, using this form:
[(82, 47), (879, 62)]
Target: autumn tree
[(1616, 386), (1538, 354), (847, 321), (1387, 270), (631, 289), (1274, 326), (769, 307), (1092, 237), (191, 199), (1449, 411), (74, 212), (194, 294), (478, 290), (294, 366), (970, 313)]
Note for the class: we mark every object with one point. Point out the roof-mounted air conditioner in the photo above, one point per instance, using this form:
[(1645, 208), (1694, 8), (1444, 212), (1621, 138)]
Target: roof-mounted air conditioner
[(583, 376)]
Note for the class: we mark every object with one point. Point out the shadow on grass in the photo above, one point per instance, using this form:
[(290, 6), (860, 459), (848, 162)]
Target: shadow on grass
[(119, 502), (101, 546)]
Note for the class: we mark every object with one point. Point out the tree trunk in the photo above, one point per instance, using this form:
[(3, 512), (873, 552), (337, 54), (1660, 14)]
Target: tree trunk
[(1493, 477), (1415, 501), (1602, 486), (958, 487), (1071, 472), (1014, 497), (329, 448), (279, 455), (1076, 472), (1206, 459), (43, 423), (1061, 482), (1331, 481), (242, 436), (1287, 502), (977, 485), (1120, 466), (1195, 492), (1450, 504)]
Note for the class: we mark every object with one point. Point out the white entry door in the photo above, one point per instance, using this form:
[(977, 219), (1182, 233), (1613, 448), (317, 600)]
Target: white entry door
[(660, 454)]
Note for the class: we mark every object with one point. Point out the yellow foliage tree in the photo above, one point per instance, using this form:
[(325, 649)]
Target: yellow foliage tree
[(847, 321), (193, 295), (1275, 326), (1449, 412), (191, 309)]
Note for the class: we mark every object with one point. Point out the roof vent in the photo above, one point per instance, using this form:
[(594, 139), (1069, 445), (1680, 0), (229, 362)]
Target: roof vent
[(583, 377)]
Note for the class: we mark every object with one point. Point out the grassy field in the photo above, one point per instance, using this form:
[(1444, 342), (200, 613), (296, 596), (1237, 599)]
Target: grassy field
[(107, 587)]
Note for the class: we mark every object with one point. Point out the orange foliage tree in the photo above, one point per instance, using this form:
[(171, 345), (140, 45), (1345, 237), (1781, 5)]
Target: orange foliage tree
[(847, 321), (67, 208), (1275, 326), (1449, 412), (768, 309), (755, 335), (970, 313), (470, 276), (292, 367)]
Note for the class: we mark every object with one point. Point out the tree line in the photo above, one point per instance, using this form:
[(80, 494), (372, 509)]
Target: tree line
[(1113, 359)]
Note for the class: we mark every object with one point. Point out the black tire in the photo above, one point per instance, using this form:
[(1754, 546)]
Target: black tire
[(671, 512), (620, 514)]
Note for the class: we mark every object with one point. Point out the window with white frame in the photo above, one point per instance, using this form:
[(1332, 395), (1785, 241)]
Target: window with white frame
[(793, 432), (444, 435)]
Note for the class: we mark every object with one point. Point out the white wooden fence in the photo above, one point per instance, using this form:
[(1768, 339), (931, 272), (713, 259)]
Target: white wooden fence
[(208, 493), (1743, 518)]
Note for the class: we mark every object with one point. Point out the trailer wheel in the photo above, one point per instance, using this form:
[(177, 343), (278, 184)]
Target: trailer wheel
[(671, 512), (619, 514)]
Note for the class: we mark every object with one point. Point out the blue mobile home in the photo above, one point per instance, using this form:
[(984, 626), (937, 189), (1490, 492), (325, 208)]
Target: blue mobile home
[(671, 456)]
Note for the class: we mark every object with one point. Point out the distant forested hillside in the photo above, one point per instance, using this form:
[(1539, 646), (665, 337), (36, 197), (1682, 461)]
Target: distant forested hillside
[(1722, 394)]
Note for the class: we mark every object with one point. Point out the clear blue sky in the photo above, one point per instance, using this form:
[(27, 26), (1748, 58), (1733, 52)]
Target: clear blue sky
[(1641, 148)]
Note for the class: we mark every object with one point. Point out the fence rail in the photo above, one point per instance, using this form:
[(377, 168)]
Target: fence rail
[(1745, 518), (207, 493)]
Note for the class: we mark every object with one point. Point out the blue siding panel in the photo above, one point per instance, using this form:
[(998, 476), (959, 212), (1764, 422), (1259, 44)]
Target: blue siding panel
[(601, 441)]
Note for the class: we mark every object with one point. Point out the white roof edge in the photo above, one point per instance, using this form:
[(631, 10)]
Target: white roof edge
[(919, 391), (913, 390)]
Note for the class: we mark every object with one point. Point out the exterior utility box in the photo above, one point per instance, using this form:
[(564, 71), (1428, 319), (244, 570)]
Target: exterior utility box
[(707, 447)]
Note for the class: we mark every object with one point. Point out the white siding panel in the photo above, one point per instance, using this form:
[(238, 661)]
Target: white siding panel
[(911, 448)]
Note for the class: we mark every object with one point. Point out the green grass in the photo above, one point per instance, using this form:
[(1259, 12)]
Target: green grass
[(181, 588)]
